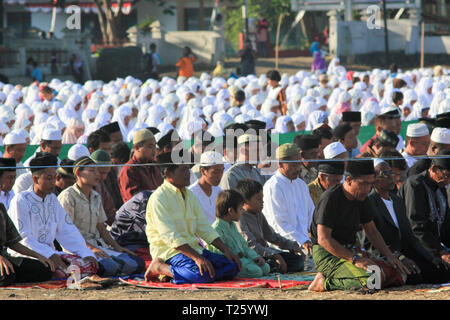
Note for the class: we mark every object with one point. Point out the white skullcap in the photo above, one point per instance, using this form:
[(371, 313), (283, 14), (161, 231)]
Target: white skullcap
[(210, 158), (333, 149), (14, 138), (441, 135), (51, 134), (377, 161), (416, 130), (77, 151)]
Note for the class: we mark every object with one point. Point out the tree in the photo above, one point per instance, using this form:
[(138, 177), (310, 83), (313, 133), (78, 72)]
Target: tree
[(109, 19), (269, 9)]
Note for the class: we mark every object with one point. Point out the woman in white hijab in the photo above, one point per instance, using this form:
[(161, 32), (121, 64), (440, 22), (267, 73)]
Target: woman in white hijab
[(145, 95), (334, 63), (220, 121), (74, 106), (315, 118), (123, 116), (425, 90), (294, 102), (299, 121), (284, 124), (75, 129)]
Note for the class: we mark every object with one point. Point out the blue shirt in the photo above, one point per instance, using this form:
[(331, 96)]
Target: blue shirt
[(36, 74)]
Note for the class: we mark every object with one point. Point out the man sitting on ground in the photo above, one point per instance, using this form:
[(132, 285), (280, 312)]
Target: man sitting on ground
[(174, 220), (41, 220), (337, 217), (84, 206)]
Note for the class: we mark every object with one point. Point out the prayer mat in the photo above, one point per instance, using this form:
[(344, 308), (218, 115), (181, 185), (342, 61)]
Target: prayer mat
[(144, 253), (52, 284), (238, 283), (298, 276), (437, 288)]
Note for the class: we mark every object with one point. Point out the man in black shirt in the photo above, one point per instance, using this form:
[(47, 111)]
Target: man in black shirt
[(337, 217), (427, 207)]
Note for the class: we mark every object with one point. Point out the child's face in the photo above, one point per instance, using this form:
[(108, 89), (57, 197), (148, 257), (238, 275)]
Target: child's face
[(255, 204), (235, 215)]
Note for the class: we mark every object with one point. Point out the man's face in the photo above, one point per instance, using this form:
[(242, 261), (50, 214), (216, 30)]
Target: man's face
[(103, 172), (17, 151), (105, 146), (440, 176), (328, 180), (46, 180), (291, 169), (213, 174), (7, 180), (89, 176), (116, 137), (356, 127), (54, 147), (399, 177), (398, 125), (148, 150), (389, 124), (384, 180), (350, 141), (310, 154), (181, 176), (419, 146), (64, 182), (360, 187)]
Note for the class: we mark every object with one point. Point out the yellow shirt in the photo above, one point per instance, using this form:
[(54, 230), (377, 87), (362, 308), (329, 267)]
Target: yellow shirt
[(315, 190), (173, 221)]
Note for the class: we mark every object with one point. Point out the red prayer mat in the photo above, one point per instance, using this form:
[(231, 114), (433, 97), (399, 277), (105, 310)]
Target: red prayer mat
[(238, 283), (144, 253)]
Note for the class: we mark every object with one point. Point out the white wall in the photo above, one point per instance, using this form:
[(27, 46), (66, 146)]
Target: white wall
[(43, 21), (437, 44)]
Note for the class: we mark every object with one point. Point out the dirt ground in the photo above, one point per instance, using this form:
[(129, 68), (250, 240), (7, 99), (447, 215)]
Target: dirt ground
[(125, 292)]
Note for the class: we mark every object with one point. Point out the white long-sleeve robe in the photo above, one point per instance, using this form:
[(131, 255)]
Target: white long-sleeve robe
[(288, 207), (41, 222)]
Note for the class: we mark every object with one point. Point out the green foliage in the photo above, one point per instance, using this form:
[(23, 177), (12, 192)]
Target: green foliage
[(145, 25), (268, 9)]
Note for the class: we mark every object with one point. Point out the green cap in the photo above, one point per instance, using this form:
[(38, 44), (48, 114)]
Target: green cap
[(101, 157), (287, 150)]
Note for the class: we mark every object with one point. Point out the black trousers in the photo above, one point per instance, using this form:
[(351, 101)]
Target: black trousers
[(293, 261), (430, 273), (26, 270)]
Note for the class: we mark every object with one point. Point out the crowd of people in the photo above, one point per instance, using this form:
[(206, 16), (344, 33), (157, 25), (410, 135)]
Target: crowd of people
[(234, 202)]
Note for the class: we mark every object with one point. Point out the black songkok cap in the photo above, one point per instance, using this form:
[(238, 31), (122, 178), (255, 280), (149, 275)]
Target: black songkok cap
[(153, 130), (10, 163), (111, 128), (42, 159), (164, 141), (360, 167), (307, 142), (332, 167), (351, 116)]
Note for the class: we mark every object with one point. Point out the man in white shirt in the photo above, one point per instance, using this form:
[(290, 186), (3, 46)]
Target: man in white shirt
[(417, 142), (288, 206), (15, 147), (206, 189), (40, 220), (7, 178), (51, 142)]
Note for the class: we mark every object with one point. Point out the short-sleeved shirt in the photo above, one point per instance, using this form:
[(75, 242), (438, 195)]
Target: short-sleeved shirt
[(343, 216)]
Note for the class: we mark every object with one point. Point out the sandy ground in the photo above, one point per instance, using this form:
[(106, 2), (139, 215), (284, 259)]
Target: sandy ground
[(125, 292)]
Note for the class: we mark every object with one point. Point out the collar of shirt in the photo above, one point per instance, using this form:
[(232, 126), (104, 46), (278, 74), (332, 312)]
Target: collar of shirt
[(282, 177), (430, 182), (38, 198), (94, 194), (174, 189)]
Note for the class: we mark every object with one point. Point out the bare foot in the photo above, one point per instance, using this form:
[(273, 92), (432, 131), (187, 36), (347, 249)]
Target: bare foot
[(157, 271), (317, 284)]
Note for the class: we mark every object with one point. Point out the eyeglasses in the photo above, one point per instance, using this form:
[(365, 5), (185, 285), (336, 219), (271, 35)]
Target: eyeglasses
[(386, 174)]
